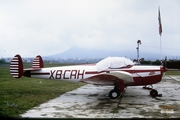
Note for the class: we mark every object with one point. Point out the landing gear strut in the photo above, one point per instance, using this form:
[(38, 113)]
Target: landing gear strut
[(149, 87), (118, 90)]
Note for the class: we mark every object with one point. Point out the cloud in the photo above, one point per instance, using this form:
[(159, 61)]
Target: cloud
[(48, 27)]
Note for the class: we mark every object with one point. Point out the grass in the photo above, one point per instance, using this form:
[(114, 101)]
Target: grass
[(115, 110), (19, 95), (173, 72)]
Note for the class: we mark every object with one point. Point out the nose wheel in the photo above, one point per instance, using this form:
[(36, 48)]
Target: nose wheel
[(154, 93)]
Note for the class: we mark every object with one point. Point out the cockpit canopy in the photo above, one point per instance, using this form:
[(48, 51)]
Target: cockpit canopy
[(113, 62)]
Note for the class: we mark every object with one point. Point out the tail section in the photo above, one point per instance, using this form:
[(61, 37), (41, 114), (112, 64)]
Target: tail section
[(16, 67), (38, 62), (17, 70)]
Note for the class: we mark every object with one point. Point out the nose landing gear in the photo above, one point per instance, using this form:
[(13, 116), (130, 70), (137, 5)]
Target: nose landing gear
[(153, 92)]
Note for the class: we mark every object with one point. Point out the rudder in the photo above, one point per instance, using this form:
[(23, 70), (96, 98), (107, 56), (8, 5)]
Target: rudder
[(16, 66)]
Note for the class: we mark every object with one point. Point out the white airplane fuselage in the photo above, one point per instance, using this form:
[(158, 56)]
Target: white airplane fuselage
[(142, 75)]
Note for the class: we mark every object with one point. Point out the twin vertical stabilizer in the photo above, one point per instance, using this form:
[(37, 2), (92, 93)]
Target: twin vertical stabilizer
[(17, 69)]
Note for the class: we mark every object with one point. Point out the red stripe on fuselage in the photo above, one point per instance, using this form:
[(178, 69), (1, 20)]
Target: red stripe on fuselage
[(91, 72), (129, 71), (47, 73), (28, 73)]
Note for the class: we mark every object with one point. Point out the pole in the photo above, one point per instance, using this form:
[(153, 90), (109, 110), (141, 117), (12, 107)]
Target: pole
[(160, 49), (160, 32), (138, 42), (137, 51)]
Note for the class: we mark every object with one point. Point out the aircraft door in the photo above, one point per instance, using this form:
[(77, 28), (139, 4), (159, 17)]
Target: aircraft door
[(138, 76)]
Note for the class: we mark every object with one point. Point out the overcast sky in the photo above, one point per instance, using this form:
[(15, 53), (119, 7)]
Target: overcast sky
[(46, 27)]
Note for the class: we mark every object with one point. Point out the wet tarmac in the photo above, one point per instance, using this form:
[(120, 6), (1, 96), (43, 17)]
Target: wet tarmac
[(91, 101)]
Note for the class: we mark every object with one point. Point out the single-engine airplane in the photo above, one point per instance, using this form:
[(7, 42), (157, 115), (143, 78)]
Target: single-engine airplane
[(119, 72)]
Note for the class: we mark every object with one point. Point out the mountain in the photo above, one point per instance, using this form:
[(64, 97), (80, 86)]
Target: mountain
[(76, 52)]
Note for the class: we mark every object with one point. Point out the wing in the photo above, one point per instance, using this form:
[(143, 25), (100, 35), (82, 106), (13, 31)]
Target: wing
[(109, 78)]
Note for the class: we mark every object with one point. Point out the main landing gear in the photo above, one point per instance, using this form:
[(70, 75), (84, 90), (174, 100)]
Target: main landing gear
[(115, 93)]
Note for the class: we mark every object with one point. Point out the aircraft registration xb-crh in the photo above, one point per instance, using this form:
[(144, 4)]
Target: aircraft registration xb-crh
[(119, 72)]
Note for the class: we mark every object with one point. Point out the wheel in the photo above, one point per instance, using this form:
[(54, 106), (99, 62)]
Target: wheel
[(113, 94), (154, 93)]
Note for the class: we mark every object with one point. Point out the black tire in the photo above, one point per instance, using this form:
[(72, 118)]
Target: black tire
[(116, 88), (154, 93), (113, 94)]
